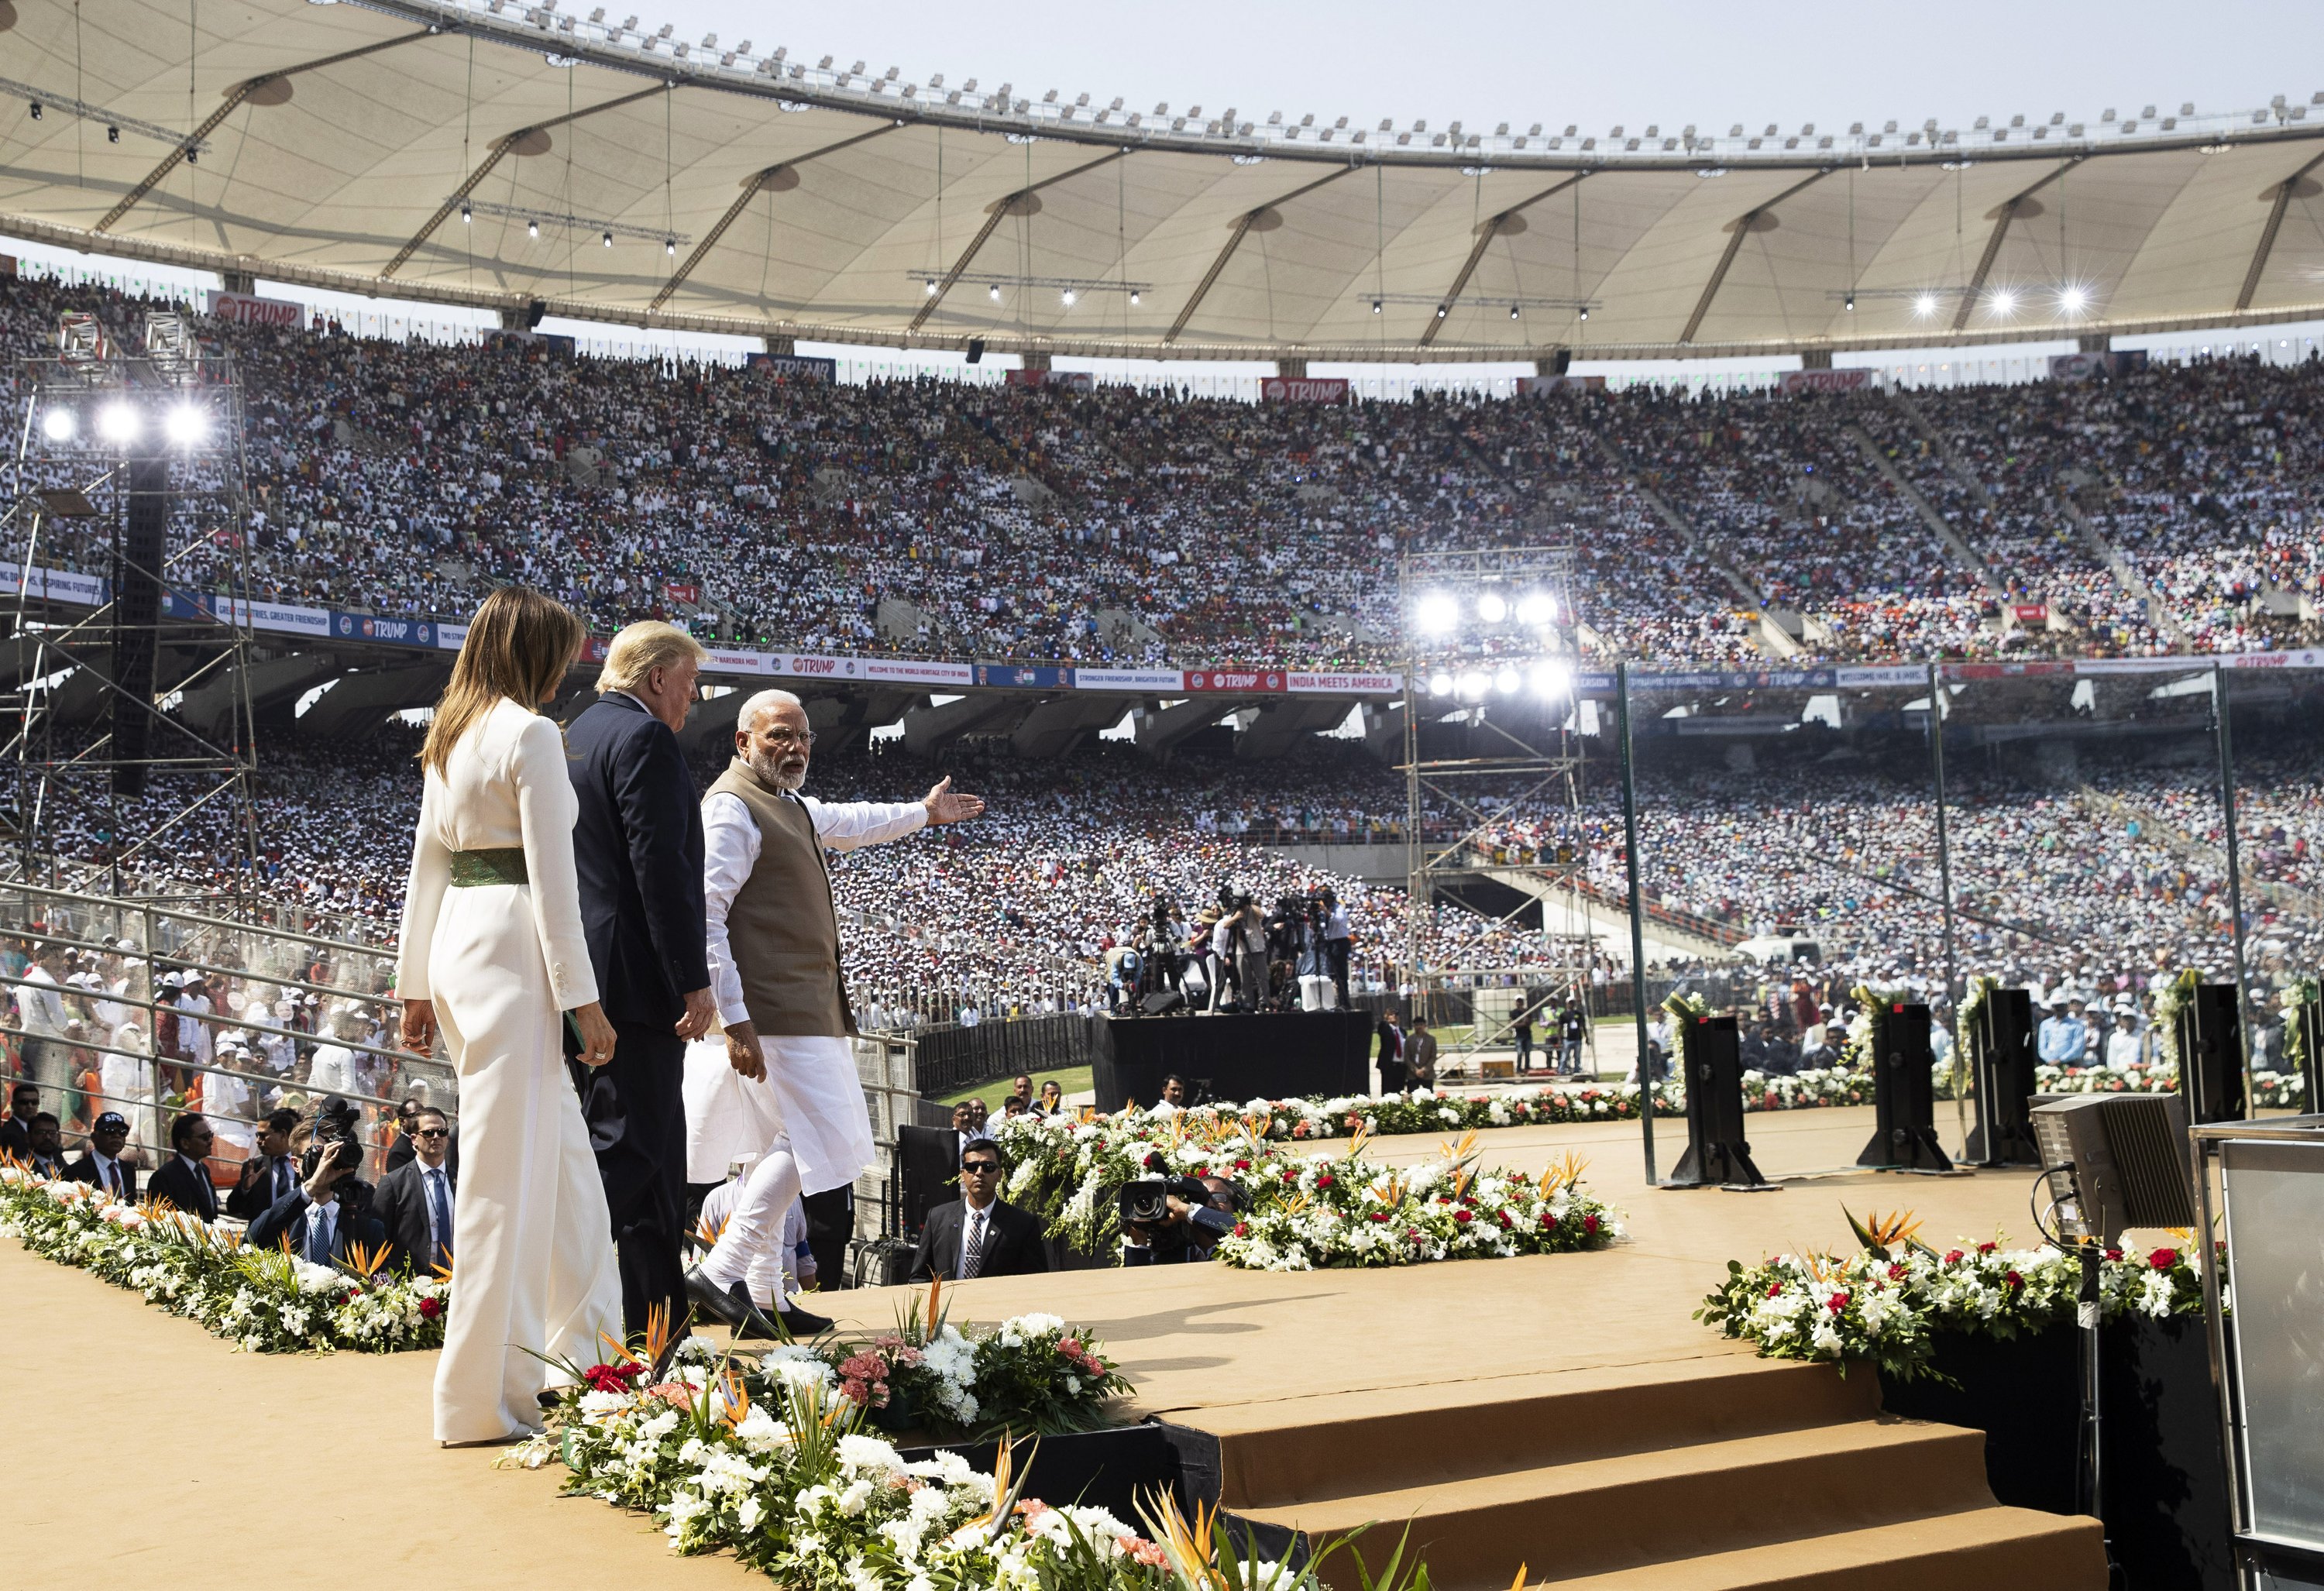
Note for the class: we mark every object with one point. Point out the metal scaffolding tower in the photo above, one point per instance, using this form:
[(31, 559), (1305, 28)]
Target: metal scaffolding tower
[(1492, 644), (126, 525)]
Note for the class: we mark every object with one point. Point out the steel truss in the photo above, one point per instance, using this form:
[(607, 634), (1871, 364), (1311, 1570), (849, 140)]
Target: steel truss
[(115, 629)]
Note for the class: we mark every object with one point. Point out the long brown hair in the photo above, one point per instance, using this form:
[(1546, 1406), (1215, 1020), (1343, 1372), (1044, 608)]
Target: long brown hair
[(519, 645)]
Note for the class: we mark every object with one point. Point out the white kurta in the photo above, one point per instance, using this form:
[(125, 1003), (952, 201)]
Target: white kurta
[(533, 1248), (813, 1091)]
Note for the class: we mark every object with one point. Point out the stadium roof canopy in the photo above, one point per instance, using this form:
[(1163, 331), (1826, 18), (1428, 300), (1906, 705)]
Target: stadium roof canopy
[(334, 146)]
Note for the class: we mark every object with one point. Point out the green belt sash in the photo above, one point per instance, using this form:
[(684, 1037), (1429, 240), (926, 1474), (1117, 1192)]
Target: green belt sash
[(503, 865)]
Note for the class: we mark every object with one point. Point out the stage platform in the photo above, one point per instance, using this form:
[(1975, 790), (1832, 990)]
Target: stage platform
[(1563, 1410)]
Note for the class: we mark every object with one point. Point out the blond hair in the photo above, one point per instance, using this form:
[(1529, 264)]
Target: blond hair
[(643, 648), (519, 645)]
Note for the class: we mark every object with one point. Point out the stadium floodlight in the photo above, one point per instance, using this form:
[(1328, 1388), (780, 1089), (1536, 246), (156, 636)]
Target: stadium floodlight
[(532, 229), (994, 292), (1436, 612), (57, 425), (1925, 305), (1439, 683), (1133, 295), (1506, 681), (1473, 683), (468, 217), (609, 240), (932, 287), (2073, 300), (1376, 306), (1536, 607), (117, 422), (1067, 298), (670, 247), (2005, 302), (1552, 679), (1493, 608), (187, 425)]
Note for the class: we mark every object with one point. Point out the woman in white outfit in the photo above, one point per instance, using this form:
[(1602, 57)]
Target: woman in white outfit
[(492, 955)]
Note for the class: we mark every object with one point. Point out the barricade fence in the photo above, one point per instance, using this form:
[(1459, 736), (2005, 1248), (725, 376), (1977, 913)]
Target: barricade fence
[(151, 1007)]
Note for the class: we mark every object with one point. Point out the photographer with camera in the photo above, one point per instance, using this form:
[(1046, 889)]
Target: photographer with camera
[(1175, 1221), (1312, 965), (1244, 933), (331, 1208), (1339, 940)]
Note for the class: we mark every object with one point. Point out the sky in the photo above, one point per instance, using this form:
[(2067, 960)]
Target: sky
[(1669, 62)]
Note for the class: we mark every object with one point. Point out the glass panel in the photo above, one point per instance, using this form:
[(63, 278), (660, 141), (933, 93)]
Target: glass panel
[(2274, 1196)]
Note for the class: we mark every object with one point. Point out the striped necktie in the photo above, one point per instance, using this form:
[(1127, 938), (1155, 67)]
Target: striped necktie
[(972, 1248)]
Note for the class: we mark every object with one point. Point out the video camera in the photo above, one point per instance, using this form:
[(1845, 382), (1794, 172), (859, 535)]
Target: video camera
[(1146, 1203), (338, 1133)]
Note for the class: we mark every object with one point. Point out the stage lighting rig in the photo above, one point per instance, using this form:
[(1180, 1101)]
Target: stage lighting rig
[(170, 348)]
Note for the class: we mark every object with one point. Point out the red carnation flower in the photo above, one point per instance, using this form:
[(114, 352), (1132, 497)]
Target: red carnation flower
[(1837, 1302), (1242, 1230), (2163, 1259), (2114, 1254), (1461, 1216), (1953, 1256), (1774, 1290), (430, 1308), (1985, 1248), (1380, 1215), (1325, 1181), (1242, 1165), (1590, 1223), (2013, 1279)]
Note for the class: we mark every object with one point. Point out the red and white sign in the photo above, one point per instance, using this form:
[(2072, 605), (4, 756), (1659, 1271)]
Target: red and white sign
[(1540, 386), (1063, 380), (246, 309), (1304, 389), (1825, 381), (1243, 681), (2030, 612), (679, 590), (722, 662), (1344, 684)]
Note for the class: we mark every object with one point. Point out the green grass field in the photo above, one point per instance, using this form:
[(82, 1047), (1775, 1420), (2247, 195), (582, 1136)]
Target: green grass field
[(1073, 1080)]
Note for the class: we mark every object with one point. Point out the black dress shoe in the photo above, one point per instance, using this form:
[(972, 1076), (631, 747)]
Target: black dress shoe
[(803, 1326), (729, 1305)]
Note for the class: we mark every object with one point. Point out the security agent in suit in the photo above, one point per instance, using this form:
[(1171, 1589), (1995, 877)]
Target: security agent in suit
[(976, 1234), (637, 846), (270, 1172), (185, 1181), (326, 1213), (415, 1199), (44, 1134), (100, 1164), (17, 1131)]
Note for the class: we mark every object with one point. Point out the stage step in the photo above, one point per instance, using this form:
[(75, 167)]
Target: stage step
[(1700, 1473), (1982, 1548)]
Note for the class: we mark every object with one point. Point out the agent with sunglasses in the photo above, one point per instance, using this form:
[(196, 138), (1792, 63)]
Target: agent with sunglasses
[(415, 1199), (977, 1235)]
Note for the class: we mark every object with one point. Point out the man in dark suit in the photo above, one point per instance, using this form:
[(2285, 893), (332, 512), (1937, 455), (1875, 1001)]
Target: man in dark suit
[(185, 1181), (322, 1216), (17, 1131), (100, 1164), (976, 1234), (45, 1134), (270, 1172), (637, 846), (1391, 1054), (415, 1199)]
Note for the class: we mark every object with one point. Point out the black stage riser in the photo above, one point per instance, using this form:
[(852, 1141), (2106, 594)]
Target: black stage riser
[(1271, 1055)]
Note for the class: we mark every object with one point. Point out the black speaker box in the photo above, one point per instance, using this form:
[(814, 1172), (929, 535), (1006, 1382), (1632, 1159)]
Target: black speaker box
[(929, 1160), (2002, 1057), (1162, 1002), (1716, 1153), (136, 611), (1272, 1056), (1904, 1095), (2310, 1017), (2211, 1055)]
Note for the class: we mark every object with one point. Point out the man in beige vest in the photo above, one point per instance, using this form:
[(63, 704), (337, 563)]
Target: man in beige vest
[(774, 969)]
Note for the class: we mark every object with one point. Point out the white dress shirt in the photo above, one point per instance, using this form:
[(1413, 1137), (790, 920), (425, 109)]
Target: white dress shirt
[(109, 1171), (322, 1221), (730, 844), (432, 1177)]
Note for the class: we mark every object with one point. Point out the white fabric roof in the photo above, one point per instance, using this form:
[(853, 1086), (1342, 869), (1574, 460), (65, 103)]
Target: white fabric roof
[(819, 205)]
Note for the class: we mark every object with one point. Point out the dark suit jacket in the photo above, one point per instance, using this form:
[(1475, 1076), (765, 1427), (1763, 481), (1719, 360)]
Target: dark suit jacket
[(16, 1138), (1012, 1243), (287, 1218), (247, 1204), (637, 846), (175, 1184), (84, 1170), (401, 1207), (1391, 1042)]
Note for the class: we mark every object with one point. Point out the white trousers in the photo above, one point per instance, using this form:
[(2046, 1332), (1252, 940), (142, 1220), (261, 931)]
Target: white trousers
[(750, 1248), (532, 1248), (811, 1095)]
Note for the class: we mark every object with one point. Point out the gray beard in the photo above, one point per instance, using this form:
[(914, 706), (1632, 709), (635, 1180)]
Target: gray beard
[(770, 768)]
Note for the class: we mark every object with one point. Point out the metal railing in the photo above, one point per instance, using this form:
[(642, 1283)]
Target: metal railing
[(96, 1018)]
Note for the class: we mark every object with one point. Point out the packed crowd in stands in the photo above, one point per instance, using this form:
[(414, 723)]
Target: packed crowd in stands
[(2169, 508), (1019, 912)]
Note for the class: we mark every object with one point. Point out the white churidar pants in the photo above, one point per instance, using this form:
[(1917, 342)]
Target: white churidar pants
[(532, 1250)]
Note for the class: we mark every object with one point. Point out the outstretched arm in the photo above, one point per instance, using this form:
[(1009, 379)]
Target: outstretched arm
[(847, 825)]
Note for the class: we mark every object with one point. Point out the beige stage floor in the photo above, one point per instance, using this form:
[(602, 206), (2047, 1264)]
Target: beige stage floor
[(148, 1446)]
